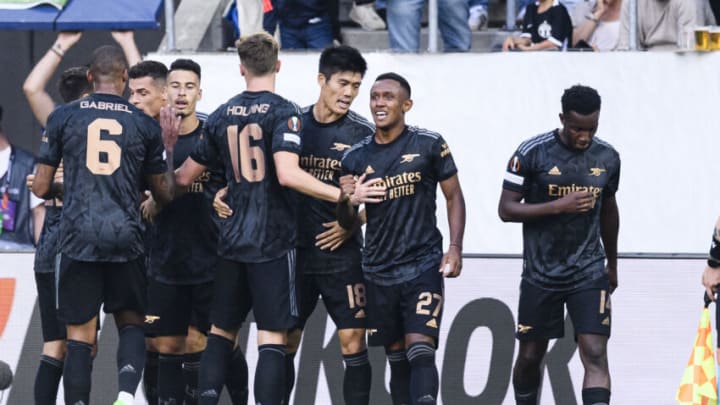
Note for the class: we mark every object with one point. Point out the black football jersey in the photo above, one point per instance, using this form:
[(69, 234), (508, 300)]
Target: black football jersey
[(183, 246), (564, 251), (243, 134), (48, 245), (322, 151), (107, 146), (402, 230), (554, 25)]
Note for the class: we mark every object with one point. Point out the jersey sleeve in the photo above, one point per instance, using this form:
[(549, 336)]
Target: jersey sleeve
[(347, 164), (154, 149), (614, 181), (442, 160), (51, 142), (561, 27), (287, 130), (528, 21), (206, 149), (516, 173)]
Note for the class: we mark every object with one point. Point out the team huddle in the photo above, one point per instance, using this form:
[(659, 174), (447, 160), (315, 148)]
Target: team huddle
[(180, 225)]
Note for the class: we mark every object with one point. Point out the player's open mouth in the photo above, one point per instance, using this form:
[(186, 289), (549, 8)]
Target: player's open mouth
[(343, 104), (381, 114)]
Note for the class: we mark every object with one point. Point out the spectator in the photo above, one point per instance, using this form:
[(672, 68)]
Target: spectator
[(546, 26), (522, 6), (22, 212), (404, 18), (304, 24), (661, 23), (363, 13), (596, 24)]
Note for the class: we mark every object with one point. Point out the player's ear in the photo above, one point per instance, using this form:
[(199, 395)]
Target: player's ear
[(321, 80), (277, 66), (242, 70), (407, 105), (199, 96), (562, 118), (125, 75)]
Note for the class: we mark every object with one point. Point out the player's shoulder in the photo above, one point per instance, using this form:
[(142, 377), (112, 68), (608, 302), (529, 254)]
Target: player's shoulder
[(64, 110), (284, 104), (535, 142), (359, 121), (358, 147), (425, 136), (602, 146)]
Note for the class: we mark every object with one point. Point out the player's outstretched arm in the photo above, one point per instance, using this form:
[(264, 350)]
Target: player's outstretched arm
[(43, 186), (451, 264), (609, 227), (291, 175), (512, 209), (34, 87)]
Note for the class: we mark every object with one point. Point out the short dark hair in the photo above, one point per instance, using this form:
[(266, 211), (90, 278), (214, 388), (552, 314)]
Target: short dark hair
[(154, 69), (341, 58), (73, 83), (107, 63), (185, 64), (396, 77), (258, 53), (583, 100)]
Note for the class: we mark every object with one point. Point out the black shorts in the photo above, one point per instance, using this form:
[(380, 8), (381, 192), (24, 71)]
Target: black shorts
[(541, 312), (268, 288), (85, 286), (172, 308), (52, 327), (414, 306), (343, 294)]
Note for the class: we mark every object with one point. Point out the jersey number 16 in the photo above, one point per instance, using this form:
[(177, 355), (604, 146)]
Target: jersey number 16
[(247, 161)]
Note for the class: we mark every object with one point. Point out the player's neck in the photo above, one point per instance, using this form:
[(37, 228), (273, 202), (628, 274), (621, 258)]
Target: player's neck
[(383, 136), (189, 123), (260, 83), (325, 115), (109, 87), (4, 144)]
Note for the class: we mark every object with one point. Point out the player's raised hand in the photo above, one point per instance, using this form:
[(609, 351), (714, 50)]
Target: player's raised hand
[(123, 37), (370, 191), (451, 264), (333, 237), (578, 201), (170, 124), (66, 39), (223, 210)]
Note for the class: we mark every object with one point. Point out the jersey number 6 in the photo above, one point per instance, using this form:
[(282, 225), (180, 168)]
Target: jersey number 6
[(246, 160), (97, 147)]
